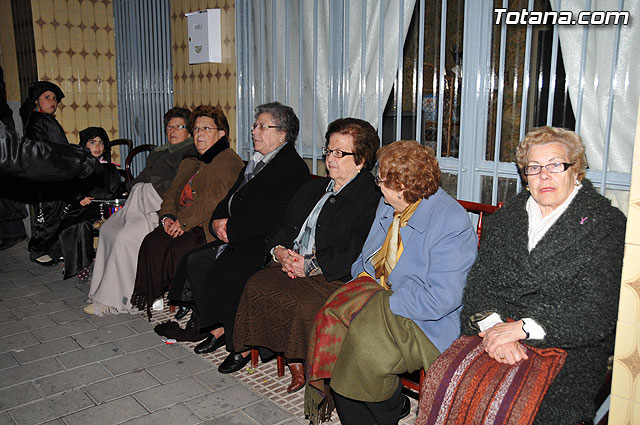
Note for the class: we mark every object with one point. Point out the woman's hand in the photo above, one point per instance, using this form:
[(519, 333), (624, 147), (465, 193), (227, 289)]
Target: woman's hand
[(501, 342), (292, 262), (510, 353), (220, 227), (175, 229), (86, 201), (172, 227)]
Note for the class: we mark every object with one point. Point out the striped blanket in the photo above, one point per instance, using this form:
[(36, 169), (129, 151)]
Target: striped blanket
[(465, 386)]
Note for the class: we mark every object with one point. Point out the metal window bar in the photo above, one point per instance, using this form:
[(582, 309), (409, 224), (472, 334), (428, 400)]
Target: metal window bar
[(583, 61), (287, 52), (379, 84), (525, 87), (420, 72), (607, 141), (363, 80), (398, 88), (498, 137), (314, 167), (242, 73), (345, 59), (143, 69), (274, 64), (552, 71), (441, 79), (300, 64)]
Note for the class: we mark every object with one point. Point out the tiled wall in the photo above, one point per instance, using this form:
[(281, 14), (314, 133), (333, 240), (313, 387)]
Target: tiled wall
[(625, 397), (75, 48), (211, 83)]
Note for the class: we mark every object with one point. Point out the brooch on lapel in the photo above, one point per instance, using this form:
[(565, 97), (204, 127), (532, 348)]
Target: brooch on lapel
[(583, 220)]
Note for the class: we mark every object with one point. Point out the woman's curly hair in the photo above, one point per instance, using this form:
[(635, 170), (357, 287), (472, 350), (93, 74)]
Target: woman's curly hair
[(409, 165)]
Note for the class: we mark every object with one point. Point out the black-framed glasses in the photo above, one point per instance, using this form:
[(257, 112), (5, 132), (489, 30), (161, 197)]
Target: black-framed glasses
[(379, 180), (263, 127), (176, 127), (337, 153), (204, 129), (554, 167)]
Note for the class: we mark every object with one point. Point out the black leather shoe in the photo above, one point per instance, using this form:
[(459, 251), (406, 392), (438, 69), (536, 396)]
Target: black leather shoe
[(209, 345), (182, 311), (233, 363), (406, 407)]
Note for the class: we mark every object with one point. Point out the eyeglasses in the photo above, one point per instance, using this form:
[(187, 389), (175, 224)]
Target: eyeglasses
[(263, 127), (204, 129), (337, 153), (379, 180), (176, 127), (554, 167)]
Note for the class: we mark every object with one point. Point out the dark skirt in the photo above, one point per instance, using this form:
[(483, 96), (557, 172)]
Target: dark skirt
[(277, 312), (76, 239), (158, 260)]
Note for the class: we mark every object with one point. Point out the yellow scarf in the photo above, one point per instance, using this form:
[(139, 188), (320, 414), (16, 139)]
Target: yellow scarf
[(387, 257)]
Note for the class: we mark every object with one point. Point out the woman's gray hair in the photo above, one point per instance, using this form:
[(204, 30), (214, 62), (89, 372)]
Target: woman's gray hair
[(284, 118)]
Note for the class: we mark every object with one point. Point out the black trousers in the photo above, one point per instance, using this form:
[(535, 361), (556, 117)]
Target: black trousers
[(355, 412), (217, 286)]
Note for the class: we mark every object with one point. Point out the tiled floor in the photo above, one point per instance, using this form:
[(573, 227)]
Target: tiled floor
[(60, 366)]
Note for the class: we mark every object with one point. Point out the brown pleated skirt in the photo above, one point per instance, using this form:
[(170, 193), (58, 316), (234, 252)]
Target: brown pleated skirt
[(277, 312)]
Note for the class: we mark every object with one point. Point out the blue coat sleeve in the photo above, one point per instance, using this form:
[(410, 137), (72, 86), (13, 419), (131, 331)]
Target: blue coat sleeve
[(437, 267)]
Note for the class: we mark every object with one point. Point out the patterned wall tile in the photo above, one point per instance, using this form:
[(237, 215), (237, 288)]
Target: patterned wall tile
[(213, 84), (627, 360), (75, 48), (625, 407), (629, 309), (621, 411)]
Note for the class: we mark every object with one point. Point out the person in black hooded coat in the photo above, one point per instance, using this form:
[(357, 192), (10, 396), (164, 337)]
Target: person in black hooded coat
[(76, 236), (12, 209), (37, 113)]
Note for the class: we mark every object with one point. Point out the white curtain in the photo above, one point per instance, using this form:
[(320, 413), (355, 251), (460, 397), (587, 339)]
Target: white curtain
[(597, 86), (336, 94)]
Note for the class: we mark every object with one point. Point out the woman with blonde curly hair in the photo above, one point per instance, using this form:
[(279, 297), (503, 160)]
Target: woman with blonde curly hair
[(403, 307)]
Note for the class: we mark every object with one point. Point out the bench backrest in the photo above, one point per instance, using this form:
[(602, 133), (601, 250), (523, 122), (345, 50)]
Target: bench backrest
[(481, 210)]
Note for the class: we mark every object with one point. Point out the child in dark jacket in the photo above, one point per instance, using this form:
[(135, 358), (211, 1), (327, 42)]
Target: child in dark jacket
[(76, 237)]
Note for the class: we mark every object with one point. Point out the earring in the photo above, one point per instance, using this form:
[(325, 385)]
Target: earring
[(577, 182), (399, 196), (527, 187)]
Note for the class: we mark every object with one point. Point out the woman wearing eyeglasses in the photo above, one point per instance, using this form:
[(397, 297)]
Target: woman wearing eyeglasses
[(121, 235), (242, 223), (162, 163), (324, 228), (551, 260), (200, 184)]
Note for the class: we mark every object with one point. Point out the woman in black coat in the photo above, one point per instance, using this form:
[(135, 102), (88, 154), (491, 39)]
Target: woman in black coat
[(37, 113), (243, 222), (76, 235), (326, 224)]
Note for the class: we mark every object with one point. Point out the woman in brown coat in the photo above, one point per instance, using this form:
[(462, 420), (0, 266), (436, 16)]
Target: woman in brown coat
[(187, 206)]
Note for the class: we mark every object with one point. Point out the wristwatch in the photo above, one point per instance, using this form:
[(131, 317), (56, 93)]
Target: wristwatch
[(273, 253)]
